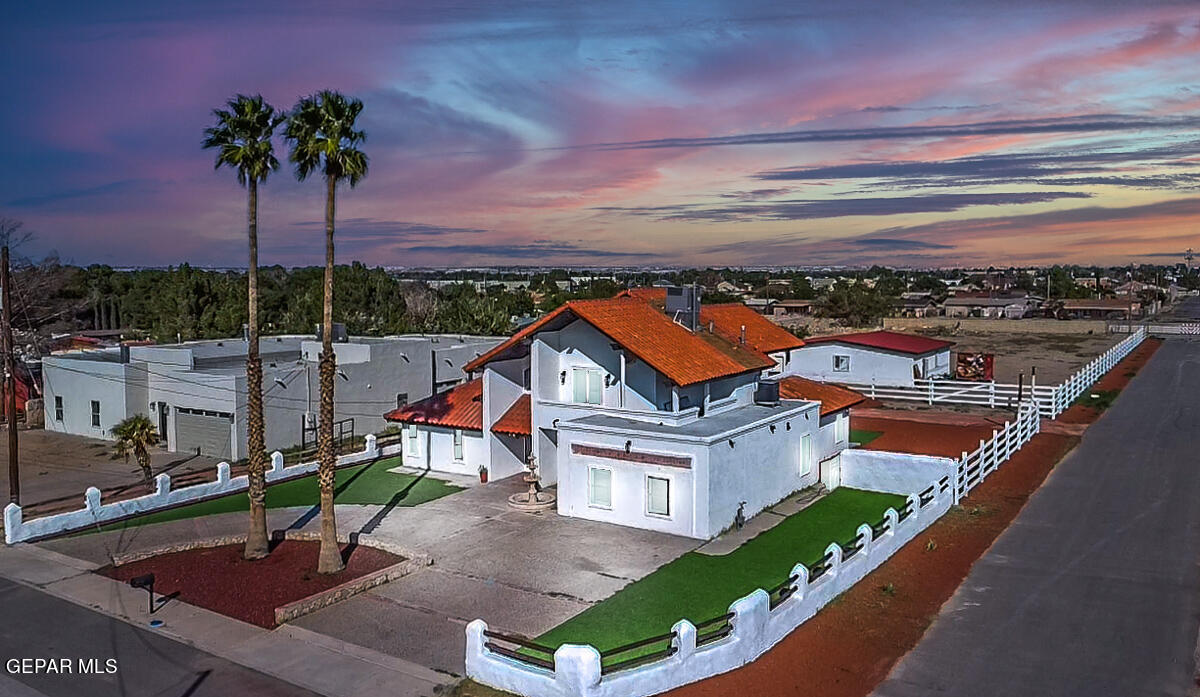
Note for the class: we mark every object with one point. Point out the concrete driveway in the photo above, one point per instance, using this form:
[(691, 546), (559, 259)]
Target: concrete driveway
[(1095, 588), (522, 573)]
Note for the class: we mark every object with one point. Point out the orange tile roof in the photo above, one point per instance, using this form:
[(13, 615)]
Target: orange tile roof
[(459, 407), (518, 420), (761, 333), (645, 293), (683, 357), (832, 397)]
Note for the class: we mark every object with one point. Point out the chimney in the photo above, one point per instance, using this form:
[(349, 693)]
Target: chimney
[(124, 353), (683, 306), (743, 335)]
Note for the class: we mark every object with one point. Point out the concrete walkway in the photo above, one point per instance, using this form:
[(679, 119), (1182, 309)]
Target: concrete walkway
[(1093, 590)]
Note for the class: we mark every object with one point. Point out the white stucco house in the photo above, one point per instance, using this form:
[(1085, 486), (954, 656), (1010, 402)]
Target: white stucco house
[(647, 410), (882, 358)]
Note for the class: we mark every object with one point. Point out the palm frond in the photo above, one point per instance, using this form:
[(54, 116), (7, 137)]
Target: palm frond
[(242, 137)]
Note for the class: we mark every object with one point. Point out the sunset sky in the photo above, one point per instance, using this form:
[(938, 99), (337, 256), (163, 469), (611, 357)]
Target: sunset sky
[(619, 133)]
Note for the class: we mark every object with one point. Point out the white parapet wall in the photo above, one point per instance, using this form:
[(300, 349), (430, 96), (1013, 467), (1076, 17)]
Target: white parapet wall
[(894, 473), (95, 512), (754, 625)]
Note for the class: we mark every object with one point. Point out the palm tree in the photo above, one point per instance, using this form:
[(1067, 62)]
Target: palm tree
[(242, 136), (135, 436), (323, 139)]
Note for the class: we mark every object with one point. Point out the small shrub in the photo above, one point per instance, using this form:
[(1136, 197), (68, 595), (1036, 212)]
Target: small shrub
[(888, 589), (930, 545)]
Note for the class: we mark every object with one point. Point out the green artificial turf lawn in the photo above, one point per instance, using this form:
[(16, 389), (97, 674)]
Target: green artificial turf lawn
[(359, 484), (863, 437), (699, 587)]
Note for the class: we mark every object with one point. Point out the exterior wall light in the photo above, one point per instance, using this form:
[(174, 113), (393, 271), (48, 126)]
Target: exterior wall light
[(562, 377), (628, 445)]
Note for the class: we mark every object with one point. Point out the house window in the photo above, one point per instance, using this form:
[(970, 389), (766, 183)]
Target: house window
[(58, 408), (658, 496), (586, 385), (458, 448), (599, 487), (841, 363), (95, 413), (401, 399), (412, 440), (805, 454)]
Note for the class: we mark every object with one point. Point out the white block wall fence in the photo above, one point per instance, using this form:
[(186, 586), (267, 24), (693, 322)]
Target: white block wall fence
[(94, 512), (753, 624), (1051, 400)]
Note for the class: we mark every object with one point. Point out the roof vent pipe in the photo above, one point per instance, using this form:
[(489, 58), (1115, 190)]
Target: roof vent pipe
[(743, 338)]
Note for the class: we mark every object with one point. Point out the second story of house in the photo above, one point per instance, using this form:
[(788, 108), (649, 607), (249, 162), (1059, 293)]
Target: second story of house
[(650, 353)]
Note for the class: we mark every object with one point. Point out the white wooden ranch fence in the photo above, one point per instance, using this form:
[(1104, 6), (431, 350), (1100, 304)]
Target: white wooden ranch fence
[(95, 512), (975, 466), (1051, 400), (1172, 329)]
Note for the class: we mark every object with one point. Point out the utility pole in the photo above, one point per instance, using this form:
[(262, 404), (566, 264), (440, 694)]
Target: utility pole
[(10, 391)]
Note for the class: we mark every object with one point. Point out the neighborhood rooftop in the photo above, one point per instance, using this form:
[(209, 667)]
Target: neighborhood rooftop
[(887, 341)]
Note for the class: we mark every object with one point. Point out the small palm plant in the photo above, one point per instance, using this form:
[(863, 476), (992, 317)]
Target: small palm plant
[(325, 141), (135, 436)]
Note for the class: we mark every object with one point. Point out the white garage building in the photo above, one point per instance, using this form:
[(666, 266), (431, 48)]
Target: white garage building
[(887, 359)]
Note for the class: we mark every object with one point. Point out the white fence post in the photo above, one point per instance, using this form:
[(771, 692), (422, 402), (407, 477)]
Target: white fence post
[(576, 668)]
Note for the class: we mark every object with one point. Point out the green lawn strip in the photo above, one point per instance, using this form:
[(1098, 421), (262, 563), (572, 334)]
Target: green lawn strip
[(863, 437), (699, 587), (1102, 401), (370, 483)]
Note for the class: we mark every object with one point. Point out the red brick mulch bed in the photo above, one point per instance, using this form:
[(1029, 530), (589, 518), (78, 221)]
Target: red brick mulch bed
[(218, 579), (922, 437)]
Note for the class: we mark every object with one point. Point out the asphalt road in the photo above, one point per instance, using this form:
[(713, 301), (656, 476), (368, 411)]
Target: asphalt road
[(1187, 310), (36, 625), (1095, 588)]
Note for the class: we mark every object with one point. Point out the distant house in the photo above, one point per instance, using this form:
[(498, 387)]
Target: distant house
[(1099, 308), (882, 358), (917, 305), (822, 283), (972, 305), (764, 306), (792, 308)]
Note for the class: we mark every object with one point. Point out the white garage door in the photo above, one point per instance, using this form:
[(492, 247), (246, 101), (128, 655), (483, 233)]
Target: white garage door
[(204, 432)]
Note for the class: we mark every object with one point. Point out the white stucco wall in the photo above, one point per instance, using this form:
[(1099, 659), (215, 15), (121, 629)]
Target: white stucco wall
[(761, 468), (815, 361), (893, 473), (78, 382), (502, 387), (435, 450)]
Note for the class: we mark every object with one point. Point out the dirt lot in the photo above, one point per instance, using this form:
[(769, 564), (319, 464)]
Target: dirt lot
[(901, 435), (1056, 356), (57, 466)]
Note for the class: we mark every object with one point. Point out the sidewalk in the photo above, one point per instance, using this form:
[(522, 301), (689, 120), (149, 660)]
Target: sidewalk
[(298, 656)]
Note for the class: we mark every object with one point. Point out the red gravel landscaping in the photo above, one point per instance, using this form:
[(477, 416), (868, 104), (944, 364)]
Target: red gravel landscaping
[(218, 579), (902, 435)]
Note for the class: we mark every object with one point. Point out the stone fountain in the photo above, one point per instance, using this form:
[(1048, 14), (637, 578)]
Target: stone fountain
[(535, 499)]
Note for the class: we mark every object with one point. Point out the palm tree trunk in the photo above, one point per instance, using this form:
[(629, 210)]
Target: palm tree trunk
[(143, 459), (257, 546), (330, 559)]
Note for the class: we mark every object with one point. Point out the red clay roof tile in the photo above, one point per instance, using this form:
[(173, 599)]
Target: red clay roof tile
[(459, 407), (518, 420), (832, 397)]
